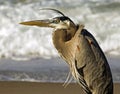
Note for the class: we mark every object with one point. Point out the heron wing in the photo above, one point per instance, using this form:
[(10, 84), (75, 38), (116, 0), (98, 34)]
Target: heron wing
[(80, 66), (80, 63), (98, 53), (100, 58)]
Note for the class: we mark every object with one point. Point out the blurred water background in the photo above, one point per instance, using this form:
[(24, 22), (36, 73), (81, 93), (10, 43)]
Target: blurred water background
[(27, 53)]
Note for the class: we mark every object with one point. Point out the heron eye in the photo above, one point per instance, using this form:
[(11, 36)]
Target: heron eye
[(56, 21)]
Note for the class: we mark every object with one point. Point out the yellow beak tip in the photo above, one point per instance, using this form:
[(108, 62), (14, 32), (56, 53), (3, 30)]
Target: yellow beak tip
[(21, 23), (27, 23)]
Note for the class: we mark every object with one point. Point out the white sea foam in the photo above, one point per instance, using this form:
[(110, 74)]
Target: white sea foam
[(21, 42)]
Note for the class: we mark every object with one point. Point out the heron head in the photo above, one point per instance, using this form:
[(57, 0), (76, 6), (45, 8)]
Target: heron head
[(61, 22)]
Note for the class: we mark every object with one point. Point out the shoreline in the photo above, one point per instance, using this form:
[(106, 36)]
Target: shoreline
[(26, 87), (45, 70)]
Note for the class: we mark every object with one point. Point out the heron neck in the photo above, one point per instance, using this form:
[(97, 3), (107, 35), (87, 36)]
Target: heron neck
[(58, 38)]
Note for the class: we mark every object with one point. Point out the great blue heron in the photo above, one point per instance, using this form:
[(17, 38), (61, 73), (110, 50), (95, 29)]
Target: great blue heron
[(81, 51)]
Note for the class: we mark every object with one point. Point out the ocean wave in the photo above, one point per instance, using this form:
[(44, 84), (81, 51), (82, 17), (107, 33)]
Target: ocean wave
[(21, 42), (43, 76)]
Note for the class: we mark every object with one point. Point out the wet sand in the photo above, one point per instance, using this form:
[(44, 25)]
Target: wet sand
[(43, 88)]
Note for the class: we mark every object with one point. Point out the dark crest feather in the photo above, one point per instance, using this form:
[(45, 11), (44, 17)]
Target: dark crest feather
[(53, 10)]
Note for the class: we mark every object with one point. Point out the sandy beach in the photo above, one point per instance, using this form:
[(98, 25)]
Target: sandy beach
[(9, 87)]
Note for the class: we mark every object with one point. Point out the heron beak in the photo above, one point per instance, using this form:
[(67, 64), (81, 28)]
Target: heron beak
[(40, 23)]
